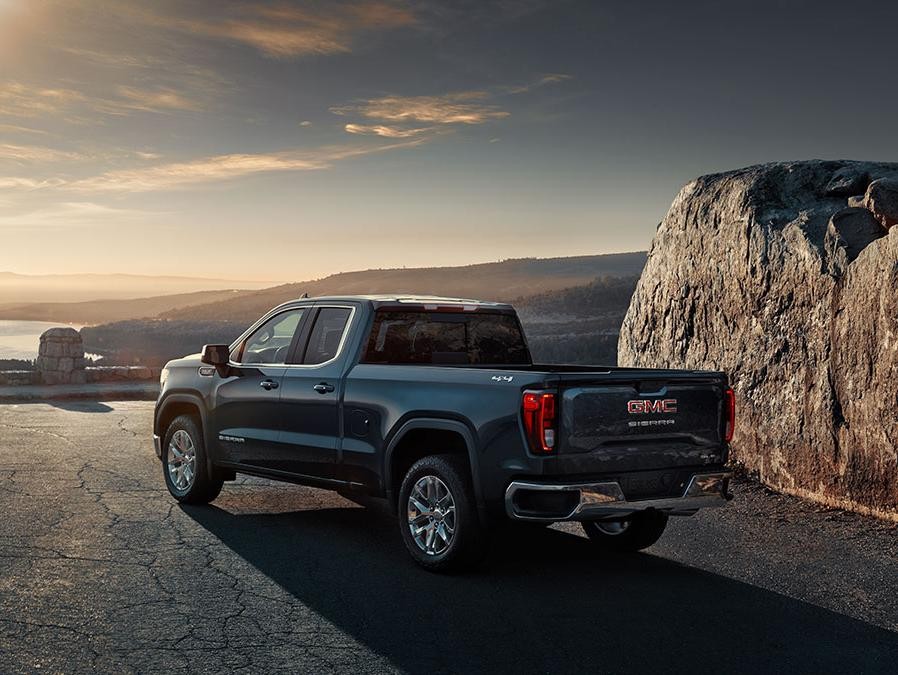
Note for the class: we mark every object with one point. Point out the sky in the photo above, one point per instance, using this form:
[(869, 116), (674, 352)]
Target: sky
[(285, 141)]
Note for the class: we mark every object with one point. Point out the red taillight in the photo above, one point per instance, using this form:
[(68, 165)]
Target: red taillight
[(538, 411), (729, 402)]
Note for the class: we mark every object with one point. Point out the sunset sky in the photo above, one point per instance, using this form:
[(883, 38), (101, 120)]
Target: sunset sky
[(288, 140)]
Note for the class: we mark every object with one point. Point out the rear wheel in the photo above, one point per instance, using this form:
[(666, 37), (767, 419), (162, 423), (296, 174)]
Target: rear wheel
[(184, 463), (635, 533), (438, 515)]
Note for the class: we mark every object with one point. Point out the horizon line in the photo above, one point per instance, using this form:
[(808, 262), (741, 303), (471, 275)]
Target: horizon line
[(279, 282)]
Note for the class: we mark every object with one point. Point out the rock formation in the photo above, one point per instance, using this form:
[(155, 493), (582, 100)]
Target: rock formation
[(784, 276), (60, 357)]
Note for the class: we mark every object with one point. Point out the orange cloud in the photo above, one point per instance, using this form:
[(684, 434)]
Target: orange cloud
[(33, 153), (21, 183), (149, 100), (283, 31), (462, 107), (386, 131), (466, 107), (19, 100), (17, 129), (551, 78), (223, 167)]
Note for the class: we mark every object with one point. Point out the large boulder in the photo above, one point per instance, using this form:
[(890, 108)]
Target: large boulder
[(768, 274)]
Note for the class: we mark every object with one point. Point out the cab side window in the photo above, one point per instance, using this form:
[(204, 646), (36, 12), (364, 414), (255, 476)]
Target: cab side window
[(270, 342), (327, 335)]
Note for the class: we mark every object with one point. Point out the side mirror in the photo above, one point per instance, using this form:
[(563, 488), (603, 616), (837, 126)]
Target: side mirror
[(216, 355)]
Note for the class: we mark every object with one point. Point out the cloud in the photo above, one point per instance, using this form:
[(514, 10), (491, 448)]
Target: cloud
[(550, 78), (33, 153), (285, 31), (148, 100), (38, 154), (15, 128), (70, 214), (466, 107), (386, 131), (223, 167), (164, 78), (19, 100), (454, 108), (110, 59), (21, 183)]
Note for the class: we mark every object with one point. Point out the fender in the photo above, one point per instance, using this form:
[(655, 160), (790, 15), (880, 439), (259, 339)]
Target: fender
[(440, 424), (185, 397)]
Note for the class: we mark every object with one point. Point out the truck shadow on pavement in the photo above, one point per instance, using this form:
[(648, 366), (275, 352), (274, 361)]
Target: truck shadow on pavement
[(546, 601)]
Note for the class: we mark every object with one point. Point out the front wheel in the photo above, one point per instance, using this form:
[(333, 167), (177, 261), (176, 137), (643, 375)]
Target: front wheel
[(635, 533), (438, 515), (184, 463)]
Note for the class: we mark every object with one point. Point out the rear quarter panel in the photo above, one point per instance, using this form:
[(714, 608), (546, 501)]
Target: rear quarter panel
[(487, 402)]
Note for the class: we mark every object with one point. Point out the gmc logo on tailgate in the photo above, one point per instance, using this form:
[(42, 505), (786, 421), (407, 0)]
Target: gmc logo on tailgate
[(667, 405)]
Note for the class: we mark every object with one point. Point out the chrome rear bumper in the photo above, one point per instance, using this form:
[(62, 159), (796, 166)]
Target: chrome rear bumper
[(597, 501)]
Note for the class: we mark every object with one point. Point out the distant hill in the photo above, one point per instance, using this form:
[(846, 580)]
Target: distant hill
[(153, 342), (105, 311), (577, 325), (565, 321), (19, 289), (506, 281)]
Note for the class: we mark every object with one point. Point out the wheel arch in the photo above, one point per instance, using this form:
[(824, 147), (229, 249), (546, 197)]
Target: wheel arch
[(177, 404), (401, 450)]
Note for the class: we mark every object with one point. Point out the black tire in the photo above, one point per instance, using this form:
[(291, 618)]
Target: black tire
[(204, 487), (641, 531), (468, 542)]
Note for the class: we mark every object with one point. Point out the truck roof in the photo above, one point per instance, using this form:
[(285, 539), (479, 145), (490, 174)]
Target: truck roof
[(398, 298)]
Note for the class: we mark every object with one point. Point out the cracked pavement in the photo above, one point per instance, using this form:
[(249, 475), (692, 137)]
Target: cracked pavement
[(101, 571)]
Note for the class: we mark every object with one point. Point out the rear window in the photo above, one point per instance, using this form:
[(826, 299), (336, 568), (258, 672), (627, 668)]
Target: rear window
[(446, 338)]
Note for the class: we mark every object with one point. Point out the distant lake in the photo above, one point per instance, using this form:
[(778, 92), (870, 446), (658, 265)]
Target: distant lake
[(20, 339)]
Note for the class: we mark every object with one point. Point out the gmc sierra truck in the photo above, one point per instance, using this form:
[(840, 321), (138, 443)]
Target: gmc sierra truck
[(435, 405)]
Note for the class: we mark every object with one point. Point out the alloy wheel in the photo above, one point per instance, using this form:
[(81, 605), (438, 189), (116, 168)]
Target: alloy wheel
[(181, 460), (431, 515)]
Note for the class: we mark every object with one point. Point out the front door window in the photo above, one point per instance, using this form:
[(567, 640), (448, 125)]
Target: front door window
[(270, 343)]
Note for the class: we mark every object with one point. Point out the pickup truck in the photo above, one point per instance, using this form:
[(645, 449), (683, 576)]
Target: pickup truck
[(435, 405)]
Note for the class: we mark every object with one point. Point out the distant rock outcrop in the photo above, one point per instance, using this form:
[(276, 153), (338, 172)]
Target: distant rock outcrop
[(786, 276), (61, 357)]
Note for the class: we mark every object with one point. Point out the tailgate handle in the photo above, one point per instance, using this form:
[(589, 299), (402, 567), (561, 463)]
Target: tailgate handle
[(643, 386)]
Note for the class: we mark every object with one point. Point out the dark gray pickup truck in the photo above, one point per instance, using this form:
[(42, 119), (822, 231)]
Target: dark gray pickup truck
[(435, 405)]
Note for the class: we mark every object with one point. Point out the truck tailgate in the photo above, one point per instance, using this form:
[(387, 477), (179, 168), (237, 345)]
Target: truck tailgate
[(641, 425)]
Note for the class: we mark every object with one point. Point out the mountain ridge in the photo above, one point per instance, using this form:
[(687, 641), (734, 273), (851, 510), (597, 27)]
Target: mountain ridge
[(506, 280)]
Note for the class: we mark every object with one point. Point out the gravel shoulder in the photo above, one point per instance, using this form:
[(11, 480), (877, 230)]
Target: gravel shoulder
[(100, 571)]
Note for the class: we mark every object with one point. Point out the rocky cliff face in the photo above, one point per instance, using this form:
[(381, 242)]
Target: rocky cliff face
[(784, 275)]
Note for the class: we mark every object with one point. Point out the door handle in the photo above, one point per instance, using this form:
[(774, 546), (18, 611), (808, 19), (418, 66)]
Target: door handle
[(323, 387), (268, 385)]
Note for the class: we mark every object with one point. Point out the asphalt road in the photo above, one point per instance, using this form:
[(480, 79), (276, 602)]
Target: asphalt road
[(101, 571)]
